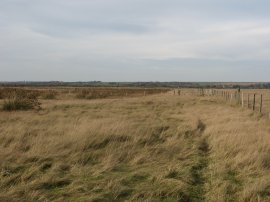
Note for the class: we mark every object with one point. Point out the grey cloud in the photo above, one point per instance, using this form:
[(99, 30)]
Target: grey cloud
[(115, 39), (74, 29)]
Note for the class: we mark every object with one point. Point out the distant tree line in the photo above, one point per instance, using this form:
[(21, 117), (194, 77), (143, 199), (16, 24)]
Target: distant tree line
[(218, 85)]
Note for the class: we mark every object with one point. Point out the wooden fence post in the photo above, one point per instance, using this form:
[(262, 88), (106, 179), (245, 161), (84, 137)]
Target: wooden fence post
[(248, 102), (254, 102), (261, 103), (242, 100)]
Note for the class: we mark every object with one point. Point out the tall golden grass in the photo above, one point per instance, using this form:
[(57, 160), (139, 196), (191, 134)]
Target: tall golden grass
[(149, 148)]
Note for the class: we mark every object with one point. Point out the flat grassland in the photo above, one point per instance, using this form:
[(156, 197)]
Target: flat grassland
[(159, 147)]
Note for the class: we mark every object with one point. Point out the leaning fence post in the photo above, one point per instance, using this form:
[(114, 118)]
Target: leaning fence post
[(254, 102), (261, 103)]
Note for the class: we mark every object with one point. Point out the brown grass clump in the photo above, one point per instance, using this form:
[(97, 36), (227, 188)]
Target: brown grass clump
[(49, 94), (18, 99)]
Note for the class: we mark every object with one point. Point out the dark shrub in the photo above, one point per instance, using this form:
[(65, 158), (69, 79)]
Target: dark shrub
[(21, 100), (49, 95)]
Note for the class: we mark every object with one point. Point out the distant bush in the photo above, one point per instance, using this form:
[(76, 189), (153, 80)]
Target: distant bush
[(4, 92), (20, 100), (49, 95), (91, 94)]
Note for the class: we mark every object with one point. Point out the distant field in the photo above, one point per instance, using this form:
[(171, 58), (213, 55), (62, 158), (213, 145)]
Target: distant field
[(131, 144), (82, 92)]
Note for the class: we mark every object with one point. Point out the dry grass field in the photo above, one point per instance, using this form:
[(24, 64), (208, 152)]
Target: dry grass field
[(158, 147)]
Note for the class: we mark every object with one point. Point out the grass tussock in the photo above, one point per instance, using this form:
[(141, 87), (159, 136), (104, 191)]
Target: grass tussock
[(49, 95), (20, 100)]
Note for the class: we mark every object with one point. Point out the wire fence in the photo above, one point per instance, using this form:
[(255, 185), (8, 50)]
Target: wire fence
[(257, 100)]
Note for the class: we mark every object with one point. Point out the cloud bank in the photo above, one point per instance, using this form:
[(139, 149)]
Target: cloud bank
[(134, 40)]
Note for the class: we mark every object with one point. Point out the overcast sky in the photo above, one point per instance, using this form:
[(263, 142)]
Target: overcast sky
[(135, 40)]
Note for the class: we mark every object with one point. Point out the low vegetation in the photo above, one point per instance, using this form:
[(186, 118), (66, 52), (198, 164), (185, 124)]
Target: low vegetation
[(162, 147), (99, 93), (20, 100), (81, 93), (49, 94)]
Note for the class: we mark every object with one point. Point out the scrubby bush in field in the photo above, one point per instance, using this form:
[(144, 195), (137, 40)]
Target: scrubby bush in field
[(19, 99), (49, 95), (4, 92), (81, 93), (91, 94), (1, 95)]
